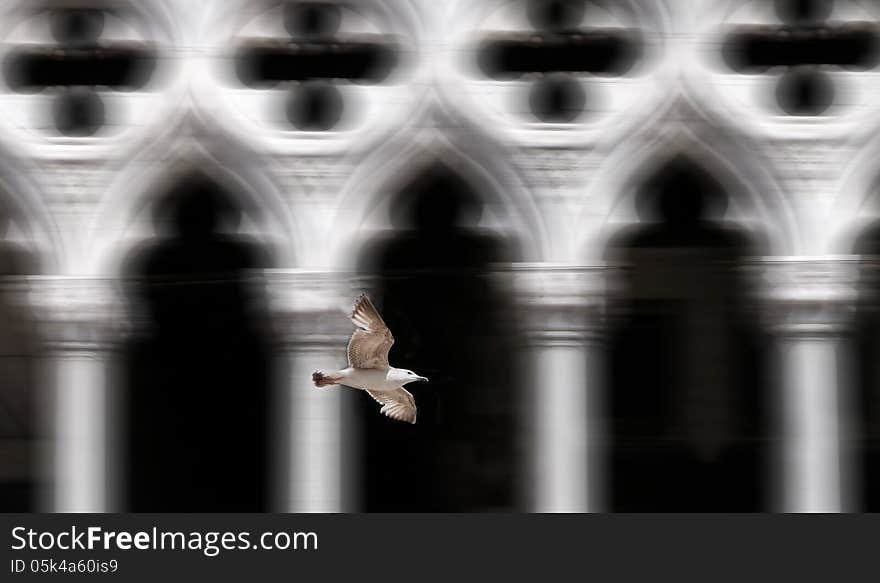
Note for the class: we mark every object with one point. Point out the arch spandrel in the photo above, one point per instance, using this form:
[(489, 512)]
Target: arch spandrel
[(363, 205), (123, 216)]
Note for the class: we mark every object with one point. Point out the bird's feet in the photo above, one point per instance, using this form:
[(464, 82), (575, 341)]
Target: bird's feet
[(324, 380)]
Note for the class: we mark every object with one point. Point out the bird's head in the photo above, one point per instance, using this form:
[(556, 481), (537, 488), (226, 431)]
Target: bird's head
[(406, 376)]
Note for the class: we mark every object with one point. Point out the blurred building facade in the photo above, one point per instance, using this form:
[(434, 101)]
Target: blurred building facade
[(630, 239)]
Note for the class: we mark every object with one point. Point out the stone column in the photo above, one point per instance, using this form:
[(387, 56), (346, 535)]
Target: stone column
[(809, 304), (559, 309), (81, 320), (309, 314)]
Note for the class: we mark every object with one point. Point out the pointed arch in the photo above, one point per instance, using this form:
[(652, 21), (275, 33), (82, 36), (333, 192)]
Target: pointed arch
[(23, 200), (378, 178), (141, 182), (756, 201), (856, 203)]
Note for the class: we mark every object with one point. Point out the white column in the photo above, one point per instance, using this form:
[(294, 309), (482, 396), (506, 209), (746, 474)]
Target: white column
[(309, 310), (80, 323), (559, 309), (81, 461), (810, 304)]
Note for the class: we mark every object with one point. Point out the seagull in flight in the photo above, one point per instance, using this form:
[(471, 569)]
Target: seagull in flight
[(368, 367)]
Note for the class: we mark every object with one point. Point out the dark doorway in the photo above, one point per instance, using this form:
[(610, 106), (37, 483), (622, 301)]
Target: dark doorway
[(868, 372), (686, 386), (452, 323), (19, 397), (199, 373)]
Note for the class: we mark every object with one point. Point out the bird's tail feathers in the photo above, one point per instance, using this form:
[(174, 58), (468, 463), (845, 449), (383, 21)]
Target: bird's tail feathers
[(322, 379)]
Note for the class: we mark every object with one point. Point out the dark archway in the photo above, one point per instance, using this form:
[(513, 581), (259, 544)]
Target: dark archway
[(867, 342), (19, 386), (199, 372), (687, 398), (452, 323)]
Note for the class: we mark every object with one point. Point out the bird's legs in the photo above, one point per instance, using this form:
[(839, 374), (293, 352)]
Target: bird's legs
[(322, 379)]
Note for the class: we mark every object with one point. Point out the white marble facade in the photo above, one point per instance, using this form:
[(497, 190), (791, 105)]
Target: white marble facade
[(806, 184)]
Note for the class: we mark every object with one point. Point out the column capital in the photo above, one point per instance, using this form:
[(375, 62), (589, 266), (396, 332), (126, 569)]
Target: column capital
[(80, 314), (559, 304), (808, 296), (309, 309)]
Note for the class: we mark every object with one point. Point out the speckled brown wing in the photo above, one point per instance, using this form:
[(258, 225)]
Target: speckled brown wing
[(398, 404), (370, 343)]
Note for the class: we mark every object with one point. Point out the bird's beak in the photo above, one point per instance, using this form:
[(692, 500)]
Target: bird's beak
[(423, 379)]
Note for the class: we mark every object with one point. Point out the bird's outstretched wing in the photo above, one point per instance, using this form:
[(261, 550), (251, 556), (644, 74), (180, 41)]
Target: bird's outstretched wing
[(398, 404), (370, 343)]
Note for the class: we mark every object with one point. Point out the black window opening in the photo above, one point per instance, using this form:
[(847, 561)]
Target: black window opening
[(803, 53), (316, 64), (20, 390), (559, 57), (78, 68), (865, 431), (199, 372), (687, 400), (452, 324)]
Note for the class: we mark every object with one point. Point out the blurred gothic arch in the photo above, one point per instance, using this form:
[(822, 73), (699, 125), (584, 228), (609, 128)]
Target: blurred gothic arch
[(755, 199), (125, 209), (508, 205)]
